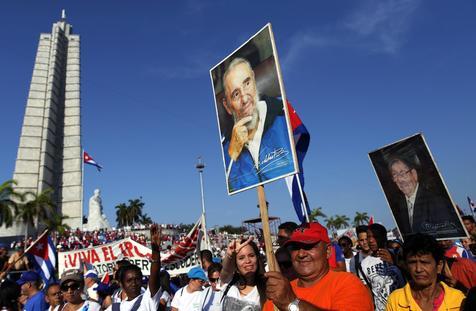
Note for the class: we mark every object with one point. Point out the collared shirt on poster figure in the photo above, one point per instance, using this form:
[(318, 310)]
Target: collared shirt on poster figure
[(383, 277), (267, 155)]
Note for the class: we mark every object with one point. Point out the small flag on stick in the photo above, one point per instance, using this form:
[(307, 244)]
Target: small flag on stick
[(89, 160)]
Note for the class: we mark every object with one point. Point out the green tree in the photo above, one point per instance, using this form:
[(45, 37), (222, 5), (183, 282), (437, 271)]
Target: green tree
[(145, 219), (231, 229), (341, 221), (37, 209), (135, 210), (360, 218), (8, 203), (316, 212), (55, 225), (122, 215), (331, 223)]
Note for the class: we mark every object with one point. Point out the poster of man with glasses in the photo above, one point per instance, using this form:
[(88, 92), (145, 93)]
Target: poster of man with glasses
[(415, 190)]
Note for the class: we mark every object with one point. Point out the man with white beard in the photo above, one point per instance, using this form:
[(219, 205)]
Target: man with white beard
[(257, 149)]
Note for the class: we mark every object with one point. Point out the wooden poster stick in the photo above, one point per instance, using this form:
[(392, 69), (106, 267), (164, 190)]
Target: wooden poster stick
[(268, 244)]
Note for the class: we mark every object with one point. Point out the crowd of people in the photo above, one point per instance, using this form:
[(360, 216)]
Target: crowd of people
[(316, 272)]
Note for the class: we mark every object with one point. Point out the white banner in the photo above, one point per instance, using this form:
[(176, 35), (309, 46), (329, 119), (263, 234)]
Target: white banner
[(103, 257)]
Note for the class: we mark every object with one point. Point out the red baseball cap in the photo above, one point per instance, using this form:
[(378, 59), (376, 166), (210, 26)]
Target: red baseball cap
[(309, 233)]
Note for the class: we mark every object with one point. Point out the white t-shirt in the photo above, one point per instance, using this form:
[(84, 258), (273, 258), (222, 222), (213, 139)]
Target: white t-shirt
[(251, 300), (211, 300), (148, 303), (87, 306), (384, 278), (185, 301), (167, 298)]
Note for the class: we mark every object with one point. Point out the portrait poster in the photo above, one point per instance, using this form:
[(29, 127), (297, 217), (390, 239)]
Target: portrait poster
[(415, 190), (254, 128)]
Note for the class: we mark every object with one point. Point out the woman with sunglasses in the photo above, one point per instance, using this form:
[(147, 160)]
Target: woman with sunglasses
[(72, 287), (243, 270)]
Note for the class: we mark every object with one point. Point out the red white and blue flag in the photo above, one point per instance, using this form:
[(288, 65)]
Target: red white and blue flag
[(43, 255), (301, 141), (89, 160)]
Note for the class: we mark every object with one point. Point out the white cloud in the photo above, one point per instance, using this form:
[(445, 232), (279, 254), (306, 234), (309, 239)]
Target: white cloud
[(377, 25), (383, 24)]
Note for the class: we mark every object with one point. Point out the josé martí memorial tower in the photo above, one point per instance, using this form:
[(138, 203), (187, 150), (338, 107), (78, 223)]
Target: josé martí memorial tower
[(49, 153)]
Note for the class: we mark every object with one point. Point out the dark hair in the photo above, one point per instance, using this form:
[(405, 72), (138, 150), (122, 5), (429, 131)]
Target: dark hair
[(421, 244), (206, 255), (468, 217), (164, 280), (362, 228), (47, 288), (123, 270), (288, 226), (402, 159), (259, 278), (380, 234), (344, 237), (9, 293), (214, 267)]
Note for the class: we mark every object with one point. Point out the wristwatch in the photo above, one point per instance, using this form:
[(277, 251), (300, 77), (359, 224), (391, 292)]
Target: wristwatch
[(294, 305)]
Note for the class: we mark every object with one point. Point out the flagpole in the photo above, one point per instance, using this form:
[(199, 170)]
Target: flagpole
[(82, 189), (302, 197), (200, 166), (26, 250)]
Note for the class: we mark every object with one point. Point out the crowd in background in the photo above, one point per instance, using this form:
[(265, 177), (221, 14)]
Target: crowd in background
[(359, 271)]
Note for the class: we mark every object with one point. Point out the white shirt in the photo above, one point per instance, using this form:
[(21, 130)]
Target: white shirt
[(148, 303), (167, 298), (185, 301), (211, 300), (252, 296), (88, 306), (254, 144)]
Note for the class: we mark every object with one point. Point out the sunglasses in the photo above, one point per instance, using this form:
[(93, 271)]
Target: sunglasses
[(72, 286), (299, 246), (213, 280), (200, 280)]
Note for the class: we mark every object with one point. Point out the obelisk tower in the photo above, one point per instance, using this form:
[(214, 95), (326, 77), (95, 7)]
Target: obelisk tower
[(49, 153)]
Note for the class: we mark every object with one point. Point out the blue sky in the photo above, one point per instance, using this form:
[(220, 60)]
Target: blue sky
[(361, 74)]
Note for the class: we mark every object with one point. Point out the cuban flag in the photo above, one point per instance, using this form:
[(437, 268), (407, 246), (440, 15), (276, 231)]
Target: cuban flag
[(89, 160), (43, 255), (301, 141), (472, 205)]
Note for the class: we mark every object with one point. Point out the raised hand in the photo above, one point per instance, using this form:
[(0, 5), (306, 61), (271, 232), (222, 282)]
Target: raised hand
[(239, 137), (234, 247), (155, 235)]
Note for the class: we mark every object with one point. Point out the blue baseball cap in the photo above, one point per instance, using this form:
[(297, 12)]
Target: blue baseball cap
[(197, 273), (28, 276)]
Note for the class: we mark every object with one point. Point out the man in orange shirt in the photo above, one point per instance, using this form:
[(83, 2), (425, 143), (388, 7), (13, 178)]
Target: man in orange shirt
[(317, 287)]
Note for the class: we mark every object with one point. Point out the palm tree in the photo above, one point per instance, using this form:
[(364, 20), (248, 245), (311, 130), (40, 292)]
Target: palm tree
[(331, 223), (341, 221), (55, 225), (39, 208), (145, 219), (122, 215), (135, 210), (316, 212), (8, 203), (360, 218)]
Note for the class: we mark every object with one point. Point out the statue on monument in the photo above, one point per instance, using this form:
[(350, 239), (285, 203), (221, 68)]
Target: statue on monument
[(96, 218)]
